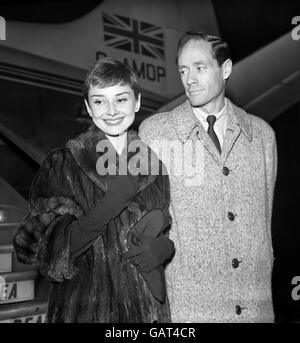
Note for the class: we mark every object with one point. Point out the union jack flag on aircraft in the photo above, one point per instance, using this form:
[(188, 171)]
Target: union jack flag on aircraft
[(133, 36)]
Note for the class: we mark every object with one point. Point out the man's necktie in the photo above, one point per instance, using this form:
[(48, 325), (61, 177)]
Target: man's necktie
[(211, 121)]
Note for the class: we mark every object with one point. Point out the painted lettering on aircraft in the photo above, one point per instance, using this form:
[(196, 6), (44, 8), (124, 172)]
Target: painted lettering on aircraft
[(144, 70)]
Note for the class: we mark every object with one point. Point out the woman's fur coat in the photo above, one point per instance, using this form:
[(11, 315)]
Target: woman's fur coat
[(97, 286)]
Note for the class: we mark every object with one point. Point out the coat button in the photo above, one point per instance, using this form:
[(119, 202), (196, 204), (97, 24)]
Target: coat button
[(231, 216), (235, 263), (238, 310), (225, 171)]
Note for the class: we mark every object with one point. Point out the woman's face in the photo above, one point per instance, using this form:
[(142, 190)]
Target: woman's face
[(113, 108)]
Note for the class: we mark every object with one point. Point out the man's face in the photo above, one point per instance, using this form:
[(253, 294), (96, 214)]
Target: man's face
[(202, 78), (112, 108)]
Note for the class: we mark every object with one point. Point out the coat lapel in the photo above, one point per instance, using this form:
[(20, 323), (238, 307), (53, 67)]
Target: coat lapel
[(83, 149), (188, 125), (208, 144), (238, 123), (232, 133)]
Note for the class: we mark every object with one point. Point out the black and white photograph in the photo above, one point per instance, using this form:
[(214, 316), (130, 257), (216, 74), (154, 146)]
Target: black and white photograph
[(149, 163)]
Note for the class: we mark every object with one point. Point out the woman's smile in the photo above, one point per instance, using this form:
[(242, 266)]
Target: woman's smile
[(113, 121)]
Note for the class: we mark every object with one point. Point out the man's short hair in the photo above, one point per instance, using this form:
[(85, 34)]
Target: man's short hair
[(219, 48), (106, 72)]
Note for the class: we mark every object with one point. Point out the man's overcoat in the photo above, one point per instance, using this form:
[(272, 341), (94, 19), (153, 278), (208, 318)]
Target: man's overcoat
[(221, 209)]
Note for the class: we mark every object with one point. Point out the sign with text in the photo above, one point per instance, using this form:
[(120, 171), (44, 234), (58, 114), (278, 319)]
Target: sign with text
[(36, 318), (11, 292)]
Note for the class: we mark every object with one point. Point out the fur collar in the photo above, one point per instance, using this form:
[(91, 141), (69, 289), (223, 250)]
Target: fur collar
[(83, 149)]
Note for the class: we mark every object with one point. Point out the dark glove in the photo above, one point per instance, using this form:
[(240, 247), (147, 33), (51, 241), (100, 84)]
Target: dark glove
[(149, 226), (120, 189), (151, 253), (85, 230)]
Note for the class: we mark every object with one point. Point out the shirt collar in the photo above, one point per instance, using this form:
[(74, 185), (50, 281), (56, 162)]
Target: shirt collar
[(203, 115), (186, 120)]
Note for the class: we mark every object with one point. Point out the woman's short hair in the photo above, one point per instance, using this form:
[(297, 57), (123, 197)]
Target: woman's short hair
[(106, 72), (219, 48)]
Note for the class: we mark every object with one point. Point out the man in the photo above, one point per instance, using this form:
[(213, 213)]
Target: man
[(221, 270)]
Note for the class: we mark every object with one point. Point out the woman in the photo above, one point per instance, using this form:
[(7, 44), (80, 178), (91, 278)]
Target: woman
[(84, 212)]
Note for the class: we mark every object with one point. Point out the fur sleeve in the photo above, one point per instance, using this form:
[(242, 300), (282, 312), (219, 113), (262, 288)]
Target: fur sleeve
[(52, 207)]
